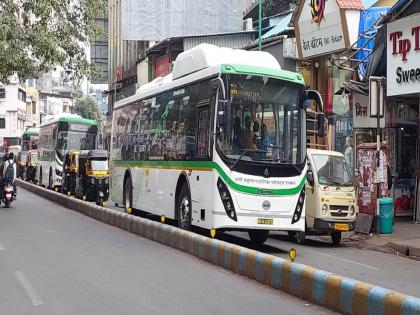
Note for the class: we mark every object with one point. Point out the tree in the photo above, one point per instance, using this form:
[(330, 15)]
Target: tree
[(38, 35), (272, 7), (86, 107)]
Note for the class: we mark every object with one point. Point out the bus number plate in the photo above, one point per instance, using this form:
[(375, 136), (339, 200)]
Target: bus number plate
[(265, 221)]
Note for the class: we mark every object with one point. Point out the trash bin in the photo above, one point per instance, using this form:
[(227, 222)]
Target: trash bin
[(386, 215)]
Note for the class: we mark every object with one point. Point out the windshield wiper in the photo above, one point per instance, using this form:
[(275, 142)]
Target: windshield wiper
[(243, 154), (289, 164)]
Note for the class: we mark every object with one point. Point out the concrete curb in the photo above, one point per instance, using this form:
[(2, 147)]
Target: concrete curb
[(332, 291)]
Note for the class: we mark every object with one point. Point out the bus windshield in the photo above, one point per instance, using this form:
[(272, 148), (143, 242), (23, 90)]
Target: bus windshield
[(30, 143), (74, 140), (265, 121), (99, 165)]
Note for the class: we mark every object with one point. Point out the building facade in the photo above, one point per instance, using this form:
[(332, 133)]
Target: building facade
[(12, 112), (322, 33)]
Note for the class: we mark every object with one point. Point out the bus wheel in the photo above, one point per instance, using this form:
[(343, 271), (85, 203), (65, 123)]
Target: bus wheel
[(128, 196), (40, 177), (184, 208), (336, 238), (258, 236), (50, 181), (300, 238)]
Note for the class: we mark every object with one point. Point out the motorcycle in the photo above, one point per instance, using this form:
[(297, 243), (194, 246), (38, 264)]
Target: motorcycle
[(7, 195)]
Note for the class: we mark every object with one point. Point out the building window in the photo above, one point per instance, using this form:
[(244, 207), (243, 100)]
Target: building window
[(2, 93), (21, 95), (2, 123)]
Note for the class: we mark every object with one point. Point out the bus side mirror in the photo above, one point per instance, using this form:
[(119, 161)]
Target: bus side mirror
[(310, 177), (222, 115), (320, 123)]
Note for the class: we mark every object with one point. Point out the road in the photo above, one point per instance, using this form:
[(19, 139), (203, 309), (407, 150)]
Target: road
[(385, 270), (57, 261)]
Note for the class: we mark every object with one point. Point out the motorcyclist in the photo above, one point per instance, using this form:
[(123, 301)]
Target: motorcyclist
[(9, 172)]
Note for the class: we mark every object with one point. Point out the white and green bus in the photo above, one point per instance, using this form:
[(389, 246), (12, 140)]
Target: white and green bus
[(57, 136), (220, 143)]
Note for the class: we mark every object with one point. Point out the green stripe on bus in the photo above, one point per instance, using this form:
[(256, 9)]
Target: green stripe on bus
[(31, 133), (78, 120), (212, 165), (58, 161), (275, 73)]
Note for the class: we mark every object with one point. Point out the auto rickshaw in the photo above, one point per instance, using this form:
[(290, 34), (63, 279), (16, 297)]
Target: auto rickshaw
[(21, 165), (31, 162), (70, 168), (92, 181)]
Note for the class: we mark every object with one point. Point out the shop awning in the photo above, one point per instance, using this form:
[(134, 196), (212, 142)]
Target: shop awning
[(353, 86), (282, 25), (367, 34)]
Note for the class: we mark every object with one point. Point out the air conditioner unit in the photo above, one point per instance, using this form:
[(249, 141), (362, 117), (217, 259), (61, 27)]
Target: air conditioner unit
[(289, 48), (247, 24)]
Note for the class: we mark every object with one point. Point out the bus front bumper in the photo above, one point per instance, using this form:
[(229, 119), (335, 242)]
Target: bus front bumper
[(254, 221)]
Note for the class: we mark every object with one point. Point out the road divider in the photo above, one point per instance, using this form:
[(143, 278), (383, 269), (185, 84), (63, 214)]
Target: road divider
[(335, 292)]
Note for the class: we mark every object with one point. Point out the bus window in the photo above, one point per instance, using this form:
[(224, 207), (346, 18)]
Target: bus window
[(203, 134)]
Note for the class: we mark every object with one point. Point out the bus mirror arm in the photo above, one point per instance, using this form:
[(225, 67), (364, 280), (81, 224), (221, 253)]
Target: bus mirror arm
[(218, 83)]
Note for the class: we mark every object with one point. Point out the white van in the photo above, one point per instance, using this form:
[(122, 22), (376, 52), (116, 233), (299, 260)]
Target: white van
[(330, 196)]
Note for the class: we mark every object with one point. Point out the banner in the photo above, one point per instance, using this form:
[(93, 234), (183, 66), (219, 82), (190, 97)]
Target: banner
[(155, 20)]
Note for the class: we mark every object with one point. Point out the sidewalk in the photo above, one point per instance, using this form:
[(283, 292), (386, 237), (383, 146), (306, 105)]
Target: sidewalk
[(404, 241)]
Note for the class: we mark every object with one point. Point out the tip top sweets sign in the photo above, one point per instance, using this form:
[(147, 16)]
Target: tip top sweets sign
[(320, 28), (403, 56)]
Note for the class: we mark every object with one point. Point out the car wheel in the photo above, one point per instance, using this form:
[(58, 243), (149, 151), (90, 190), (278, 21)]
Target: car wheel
[(336, 238)]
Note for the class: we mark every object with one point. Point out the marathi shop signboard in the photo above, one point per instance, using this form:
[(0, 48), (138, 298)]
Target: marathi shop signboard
[(403, 56), (320, 28)]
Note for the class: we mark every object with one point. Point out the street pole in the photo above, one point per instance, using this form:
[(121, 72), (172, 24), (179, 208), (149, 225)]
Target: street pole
[(259, 23)]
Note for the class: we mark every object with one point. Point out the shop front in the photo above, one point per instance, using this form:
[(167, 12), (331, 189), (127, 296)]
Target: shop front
[(323, 32), (402, 112)]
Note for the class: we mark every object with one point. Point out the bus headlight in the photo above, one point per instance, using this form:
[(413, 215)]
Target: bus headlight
[(107, 180), (352, 210), (324, 209), (92, 181), (226, 199), (299, 207)]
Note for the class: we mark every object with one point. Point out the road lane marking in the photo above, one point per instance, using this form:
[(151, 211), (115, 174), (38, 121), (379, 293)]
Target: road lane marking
[(2, 247), (30, 291), (343, 259)]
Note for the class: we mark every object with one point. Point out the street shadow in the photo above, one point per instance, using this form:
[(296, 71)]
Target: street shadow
[(310, 241), (265, 248)]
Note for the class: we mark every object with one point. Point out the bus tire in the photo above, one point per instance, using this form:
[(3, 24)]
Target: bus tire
[(50, 182), (300, 238), (258, 236), (128, 196), (336, 238), (40, 177), (183, 208)]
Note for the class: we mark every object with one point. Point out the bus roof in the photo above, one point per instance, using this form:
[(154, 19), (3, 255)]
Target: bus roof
[(31, 132), (204, 61), (69, 118)]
